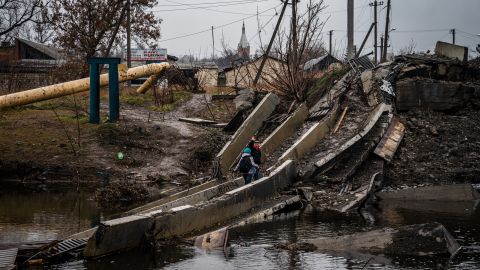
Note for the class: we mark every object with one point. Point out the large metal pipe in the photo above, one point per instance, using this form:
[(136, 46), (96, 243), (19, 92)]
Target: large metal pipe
[(148, 83), (76, 86)]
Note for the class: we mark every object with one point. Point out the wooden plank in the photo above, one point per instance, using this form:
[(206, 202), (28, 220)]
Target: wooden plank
[(391, 140)]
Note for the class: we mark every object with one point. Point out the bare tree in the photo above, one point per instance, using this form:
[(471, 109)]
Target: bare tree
[(86, 28), (16, 13), (295, 47), (409, 49)]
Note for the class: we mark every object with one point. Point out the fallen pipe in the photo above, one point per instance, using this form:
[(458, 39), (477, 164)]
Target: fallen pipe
[(76, 86), (148, 83)]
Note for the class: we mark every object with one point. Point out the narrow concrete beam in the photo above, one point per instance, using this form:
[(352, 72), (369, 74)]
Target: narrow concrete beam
[(314, 135), (286, 130), (128, 232), (174, 197), (199, 197), (452, 193), (222, 209), (226, 157), (370, 123)]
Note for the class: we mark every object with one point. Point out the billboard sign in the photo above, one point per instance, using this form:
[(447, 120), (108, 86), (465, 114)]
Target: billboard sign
[(143, 55)]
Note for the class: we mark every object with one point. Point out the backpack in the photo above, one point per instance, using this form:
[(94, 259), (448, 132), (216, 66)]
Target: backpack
[(245, 164)]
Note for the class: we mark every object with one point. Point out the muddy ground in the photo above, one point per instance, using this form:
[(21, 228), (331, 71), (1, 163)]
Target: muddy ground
[(46, 143), (438, 148)]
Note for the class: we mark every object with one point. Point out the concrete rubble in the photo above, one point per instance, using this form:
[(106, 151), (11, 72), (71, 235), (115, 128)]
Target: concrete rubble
[(413, 240)]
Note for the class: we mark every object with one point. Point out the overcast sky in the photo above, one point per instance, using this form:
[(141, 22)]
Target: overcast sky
[(423, 21)]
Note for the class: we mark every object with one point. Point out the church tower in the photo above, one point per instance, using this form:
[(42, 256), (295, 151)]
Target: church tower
[(243, 49)]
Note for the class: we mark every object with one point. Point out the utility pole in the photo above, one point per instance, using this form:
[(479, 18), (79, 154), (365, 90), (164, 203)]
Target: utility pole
[(330, 33), (129, 45), (387, 32), (453, 32), (213, 45), (382, 47), (375, 4), (350, 34), (294, 29), (269, 47)]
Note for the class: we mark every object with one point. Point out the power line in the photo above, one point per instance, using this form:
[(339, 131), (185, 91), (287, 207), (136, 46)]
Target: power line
[(261, 28), (209, 3), (218, 27), (190, 7)]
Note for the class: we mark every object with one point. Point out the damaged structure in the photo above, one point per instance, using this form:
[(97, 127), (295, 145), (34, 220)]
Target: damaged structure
[(335, 155)]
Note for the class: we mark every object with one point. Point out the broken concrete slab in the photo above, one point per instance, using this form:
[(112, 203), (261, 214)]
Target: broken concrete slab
[(284, 131), (316, 133), (244, 99), (433, 94), (269, 211), (212, 240), (197, 121), (372, 119), (391, 140), (452, 51), (117, 235), (174, 197), (198, 197), (413, 240), (226, 157), (456, 192), (128, 232), (362, 194), (420, 70)]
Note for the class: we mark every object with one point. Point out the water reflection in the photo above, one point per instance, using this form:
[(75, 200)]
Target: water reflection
[(26, 217), (33, 217)]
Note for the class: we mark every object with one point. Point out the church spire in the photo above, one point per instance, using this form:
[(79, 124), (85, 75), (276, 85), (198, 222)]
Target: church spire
[(243, 46)]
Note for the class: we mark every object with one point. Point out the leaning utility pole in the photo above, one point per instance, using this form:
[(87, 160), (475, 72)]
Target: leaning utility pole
[(213, 45), (265, 56), (129, 45), (350, 34), (387, 32), (375, 4), (453, 32), (330, 33)]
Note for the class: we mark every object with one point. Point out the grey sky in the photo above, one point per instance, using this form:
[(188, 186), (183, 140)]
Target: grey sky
[(423, 21)]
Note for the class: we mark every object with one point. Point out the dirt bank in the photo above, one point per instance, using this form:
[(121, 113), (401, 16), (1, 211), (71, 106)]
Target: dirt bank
[(53, 142), (438, 148)]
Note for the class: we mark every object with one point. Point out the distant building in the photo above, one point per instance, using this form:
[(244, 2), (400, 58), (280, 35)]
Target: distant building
[(28, 53), (243, 48), (27, 64), (243, 75), (320, 64)]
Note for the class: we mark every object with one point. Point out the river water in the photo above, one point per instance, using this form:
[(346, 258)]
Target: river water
[(42, 216)]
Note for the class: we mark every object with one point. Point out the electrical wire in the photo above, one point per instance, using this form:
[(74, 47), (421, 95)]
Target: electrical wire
[(208, 3), (218, 27), (189, 7), (261, 28)]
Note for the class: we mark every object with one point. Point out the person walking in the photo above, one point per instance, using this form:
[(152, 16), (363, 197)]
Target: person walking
[(247, 166), (257, 156)]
